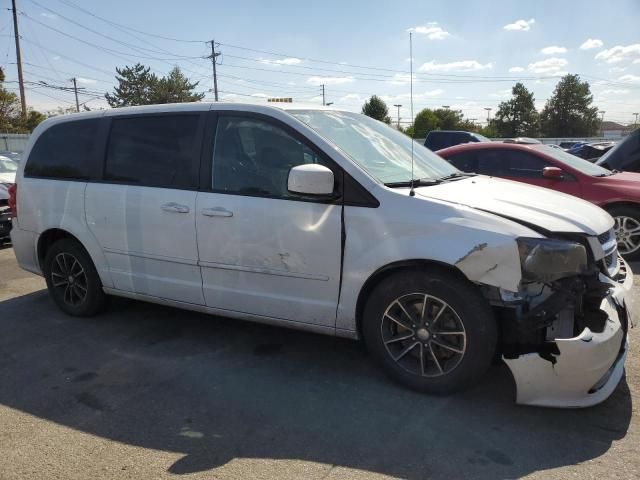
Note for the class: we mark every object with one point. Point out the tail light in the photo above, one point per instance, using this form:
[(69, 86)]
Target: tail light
[(13, 204)]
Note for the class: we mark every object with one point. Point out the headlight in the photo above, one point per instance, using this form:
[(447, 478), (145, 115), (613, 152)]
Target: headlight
[(547, 259)]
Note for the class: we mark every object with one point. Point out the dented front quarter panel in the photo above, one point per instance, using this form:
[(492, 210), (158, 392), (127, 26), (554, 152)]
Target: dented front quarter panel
[(481, 245), (583, 362)]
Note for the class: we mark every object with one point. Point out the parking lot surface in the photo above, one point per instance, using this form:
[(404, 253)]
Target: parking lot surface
[(144, 391)]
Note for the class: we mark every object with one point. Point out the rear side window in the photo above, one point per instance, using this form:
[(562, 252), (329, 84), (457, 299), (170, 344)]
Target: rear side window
[(438, 140), (154, 151), (64, 151)]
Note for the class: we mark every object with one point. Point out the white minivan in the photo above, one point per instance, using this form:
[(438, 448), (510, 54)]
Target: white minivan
[(309, 218)]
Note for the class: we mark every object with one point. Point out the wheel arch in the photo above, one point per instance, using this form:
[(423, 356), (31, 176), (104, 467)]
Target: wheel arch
[(47, 239), (393, 268), (620, 203)]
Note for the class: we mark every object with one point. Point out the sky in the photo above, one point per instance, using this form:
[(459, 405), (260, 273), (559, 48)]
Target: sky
[(466, 54)]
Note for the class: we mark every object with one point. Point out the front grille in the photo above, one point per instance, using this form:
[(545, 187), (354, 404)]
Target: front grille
[(604, 237), (608, 243)]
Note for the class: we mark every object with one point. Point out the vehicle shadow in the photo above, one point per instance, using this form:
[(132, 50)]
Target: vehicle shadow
[(216, 389)]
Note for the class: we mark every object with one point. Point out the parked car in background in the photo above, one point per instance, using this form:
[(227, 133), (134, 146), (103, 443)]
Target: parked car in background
[(567, 145), (523, 140), (625, 156), (618, 193), (333, 222), (438, 139), (8, 169), (590, 151), (5, 214)]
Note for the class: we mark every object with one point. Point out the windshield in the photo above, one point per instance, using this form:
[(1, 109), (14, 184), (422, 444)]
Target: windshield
[(578, 163), (482, 138), (623, 153), (382, 151), (7, 165)]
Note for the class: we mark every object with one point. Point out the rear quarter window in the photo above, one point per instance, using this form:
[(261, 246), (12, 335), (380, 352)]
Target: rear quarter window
[(63, 151)]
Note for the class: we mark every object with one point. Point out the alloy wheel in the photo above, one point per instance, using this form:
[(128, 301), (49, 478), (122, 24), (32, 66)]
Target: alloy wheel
[(69, 278), (627, 231), (424, 335)]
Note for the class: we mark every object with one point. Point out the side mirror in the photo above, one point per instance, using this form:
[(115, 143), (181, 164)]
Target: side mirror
[(553, 173), (310, 179)]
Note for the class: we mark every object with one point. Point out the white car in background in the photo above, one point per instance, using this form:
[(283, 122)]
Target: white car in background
[(318, 219), (8, 169)]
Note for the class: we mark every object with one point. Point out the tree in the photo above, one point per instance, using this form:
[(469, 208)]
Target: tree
[(449, 119), (138, 86), (11, 118), (426, 120), (568, 113), (176, 88), (518, 116), (376, 108)]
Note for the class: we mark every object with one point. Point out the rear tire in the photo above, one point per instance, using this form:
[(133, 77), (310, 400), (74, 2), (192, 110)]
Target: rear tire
[(627, 230), (432, 332), (72, 279)]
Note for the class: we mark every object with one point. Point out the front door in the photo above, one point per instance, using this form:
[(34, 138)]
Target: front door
[(143, 211), (263, 250)]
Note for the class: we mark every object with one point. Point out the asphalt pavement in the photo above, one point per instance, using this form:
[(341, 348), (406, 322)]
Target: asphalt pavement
[(145, 391)]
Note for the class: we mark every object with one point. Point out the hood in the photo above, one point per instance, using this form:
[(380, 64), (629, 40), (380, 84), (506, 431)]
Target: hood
[(621, 179), (552, 211), (8, 177)]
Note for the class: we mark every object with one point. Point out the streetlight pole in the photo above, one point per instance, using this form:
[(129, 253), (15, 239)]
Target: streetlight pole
[(602, 112), (488, 109), (635, 124), (398, 107)]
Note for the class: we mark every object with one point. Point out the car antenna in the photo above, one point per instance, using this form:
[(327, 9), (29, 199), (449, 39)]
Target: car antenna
[(412, 192)]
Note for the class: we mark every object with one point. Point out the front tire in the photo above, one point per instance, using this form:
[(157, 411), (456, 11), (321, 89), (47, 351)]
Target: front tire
[(627, 230), (432, 332), (72, 279)]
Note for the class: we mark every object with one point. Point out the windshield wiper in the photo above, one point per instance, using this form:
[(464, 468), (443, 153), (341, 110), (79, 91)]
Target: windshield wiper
[(418, 182), (456, 175)]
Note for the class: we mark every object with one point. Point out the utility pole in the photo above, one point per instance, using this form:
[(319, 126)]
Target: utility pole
[(23, 101), (398, 107), (215, 75), (635, 124), (323, 94), (75, 90)]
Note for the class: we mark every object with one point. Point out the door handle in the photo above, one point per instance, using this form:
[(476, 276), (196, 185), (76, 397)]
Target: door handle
[(175, 208), (217, 212)]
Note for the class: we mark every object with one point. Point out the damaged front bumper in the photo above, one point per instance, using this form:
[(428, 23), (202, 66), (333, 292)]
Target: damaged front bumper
[(587, 368)]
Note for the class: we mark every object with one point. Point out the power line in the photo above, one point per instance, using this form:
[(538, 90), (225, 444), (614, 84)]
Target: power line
[(78, 7)]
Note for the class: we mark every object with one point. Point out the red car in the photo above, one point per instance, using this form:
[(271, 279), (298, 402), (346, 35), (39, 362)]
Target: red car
[(617, 192)]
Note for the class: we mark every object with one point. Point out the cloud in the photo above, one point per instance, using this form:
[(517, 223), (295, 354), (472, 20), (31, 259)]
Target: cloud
[(330, 80), (432, 30), (522, 25), (619, 69), (459, 66), (636, 60), (51, 16), (553, 50), (615, 91), (549, 66), (284, 61), (501, 93), (353, 98), (260, 95), (516, 69), (86, 81), (629, 78), (401, 78), (56, 57), (591, 43), (619, 53)]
